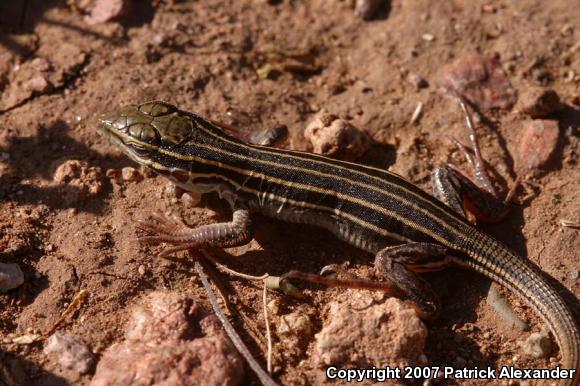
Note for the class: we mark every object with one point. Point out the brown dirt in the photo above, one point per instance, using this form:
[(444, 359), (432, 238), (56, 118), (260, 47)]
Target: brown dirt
[(78, 232)]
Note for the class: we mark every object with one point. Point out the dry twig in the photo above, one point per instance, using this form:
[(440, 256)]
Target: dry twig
[(265, 379)]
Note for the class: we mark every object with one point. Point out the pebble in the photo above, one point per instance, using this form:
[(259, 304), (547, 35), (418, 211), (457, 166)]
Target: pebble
[(336, 138), (417, 81), (488, 8), (537, 144), (141, 270), (105, 10), (480, 79), (428, 37), (131, 174), (296, 323), (570, 76), (71, 352), (40, 64), (113, 174), (366, 9), (37, 84), (190, 199), (538, 102), (538, 345), (11, 276), (274, 306)]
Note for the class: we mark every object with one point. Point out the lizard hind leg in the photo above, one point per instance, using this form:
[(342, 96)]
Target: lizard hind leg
[(399, 265), (477, 200), (454, 189)]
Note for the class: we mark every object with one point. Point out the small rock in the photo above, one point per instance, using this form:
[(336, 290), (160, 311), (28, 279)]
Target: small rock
[(295, 329), (538, 345), (380, 334), (417, 81), (37, 84), (40, 64), (539, 102), (488, 8), (366, 9), (131, 174), (71, 352), (5, 156), (141, 270), (39, 212), (171, 340), (274, 306), (538, 143), (479, 79), (84, 180), (191, 198), (428, 37), (295, 324), (114, 174), (11, 276), (105, 10), (335, 137)]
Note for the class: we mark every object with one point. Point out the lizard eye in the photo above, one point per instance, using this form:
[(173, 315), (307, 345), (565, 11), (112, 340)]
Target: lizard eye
[(145, 138), (144, 132)]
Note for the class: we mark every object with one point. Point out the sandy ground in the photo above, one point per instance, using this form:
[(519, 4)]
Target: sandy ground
[(71, 232)]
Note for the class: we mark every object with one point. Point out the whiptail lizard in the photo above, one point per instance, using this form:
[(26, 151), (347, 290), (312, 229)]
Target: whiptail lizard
[(378, 211)]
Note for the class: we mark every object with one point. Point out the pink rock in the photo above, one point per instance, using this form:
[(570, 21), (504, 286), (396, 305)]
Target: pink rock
[(171, 340), (71, 352), (11, 276), (384, 334), (479, 79), (38, 84), (40, 64), (105, 10), (162, 316), (538, 143)]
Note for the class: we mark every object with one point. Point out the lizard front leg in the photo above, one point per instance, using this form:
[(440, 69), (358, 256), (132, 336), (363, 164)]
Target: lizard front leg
[(162, 229)]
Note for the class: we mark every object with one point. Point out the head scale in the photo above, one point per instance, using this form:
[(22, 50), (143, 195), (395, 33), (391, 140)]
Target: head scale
[(141, 130)]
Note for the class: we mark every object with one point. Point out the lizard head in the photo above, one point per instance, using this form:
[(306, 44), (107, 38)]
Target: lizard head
[(143, 131)]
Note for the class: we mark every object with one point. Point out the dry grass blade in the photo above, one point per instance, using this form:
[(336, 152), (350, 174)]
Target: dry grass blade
[(268, 333), (75, 305), (265, 379)]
